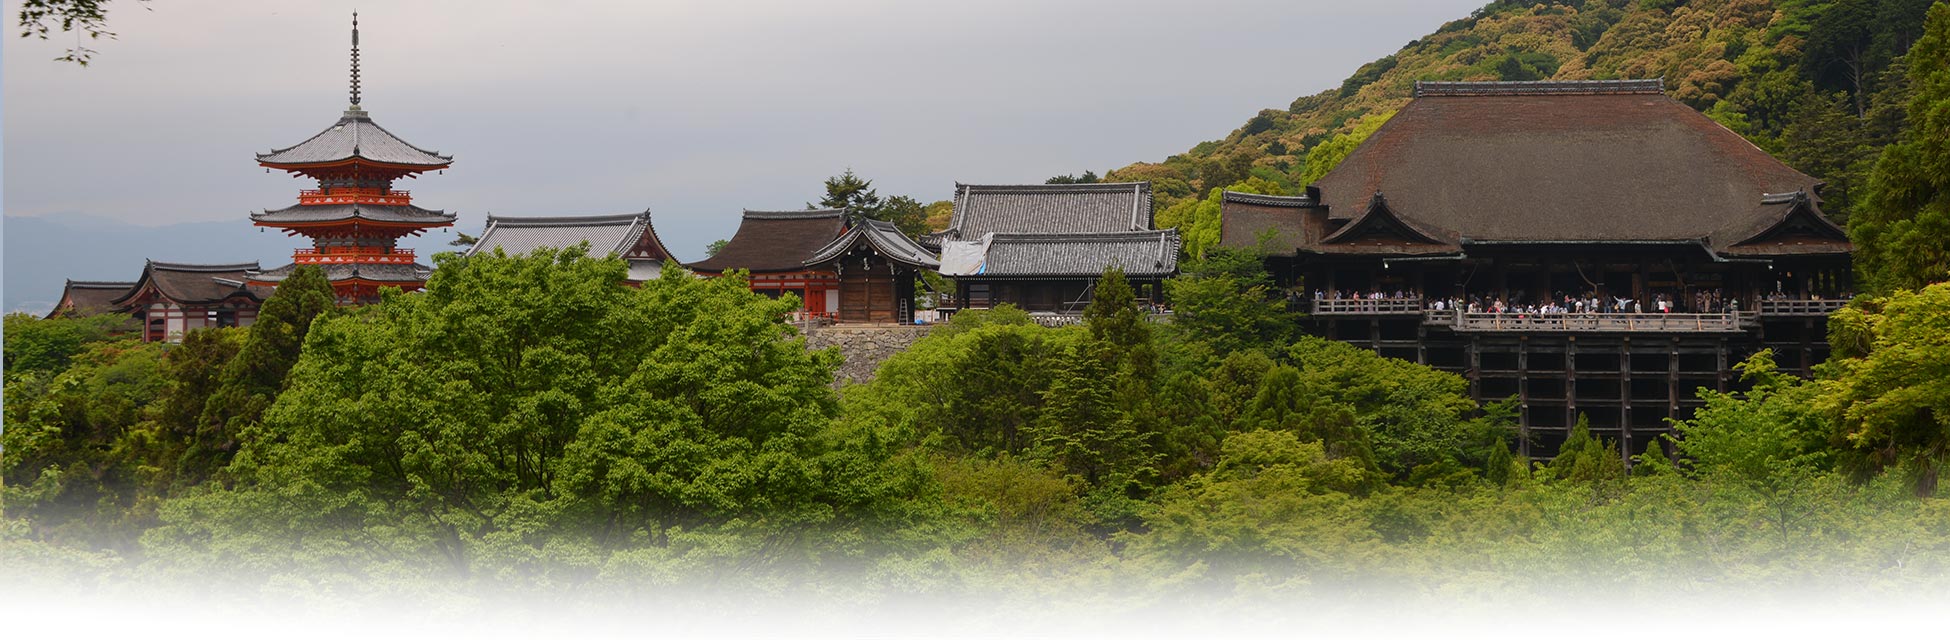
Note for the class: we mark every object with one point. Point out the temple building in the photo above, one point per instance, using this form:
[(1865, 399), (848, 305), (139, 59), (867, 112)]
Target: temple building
[(88, 297), (1593, 249), (628, 236), (170, 299), (877, 267), (840, 270), (1042, 247), (355, 218)]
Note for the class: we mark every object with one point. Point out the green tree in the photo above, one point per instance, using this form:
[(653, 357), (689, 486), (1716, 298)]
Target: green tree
[(39, 18), (252, 380), (46, 346), (1327, 155), (851, 193), (535, 412), (1902, 231), (1888, 388), (715, 247)]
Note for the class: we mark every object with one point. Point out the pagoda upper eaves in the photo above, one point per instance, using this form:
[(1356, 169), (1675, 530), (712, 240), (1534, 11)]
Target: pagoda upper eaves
[(354, 139)]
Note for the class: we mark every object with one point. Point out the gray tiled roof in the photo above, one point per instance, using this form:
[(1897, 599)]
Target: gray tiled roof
[(333, 212), (605, 234), (89, 296), (885, 238), (1270, 201), (1138, 253), (189, 283), (355, 135), (1049, 208), (401, 273)]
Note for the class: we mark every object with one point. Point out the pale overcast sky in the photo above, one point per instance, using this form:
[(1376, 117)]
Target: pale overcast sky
[(694, 110)]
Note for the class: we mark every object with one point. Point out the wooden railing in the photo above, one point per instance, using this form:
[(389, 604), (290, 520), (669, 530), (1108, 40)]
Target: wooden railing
[(1592, 322), (352, 255), (1800, 307), (355, 195), (1384, 306), (1068, 319)]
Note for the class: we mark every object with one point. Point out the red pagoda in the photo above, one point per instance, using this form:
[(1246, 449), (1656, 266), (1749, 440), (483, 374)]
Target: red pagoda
[(355, 217)]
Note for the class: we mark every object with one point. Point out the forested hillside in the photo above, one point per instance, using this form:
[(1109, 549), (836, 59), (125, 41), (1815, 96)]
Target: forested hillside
[(532, 423), (1816, 82)]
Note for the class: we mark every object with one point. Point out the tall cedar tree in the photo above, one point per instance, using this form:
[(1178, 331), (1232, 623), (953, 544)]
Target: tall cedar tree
[(1902, 233), (252, 380)]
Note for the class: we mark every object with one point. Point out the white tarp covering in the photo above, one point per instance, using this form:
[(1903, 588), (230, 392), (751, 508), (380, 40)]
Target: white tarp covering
[(964, 258)]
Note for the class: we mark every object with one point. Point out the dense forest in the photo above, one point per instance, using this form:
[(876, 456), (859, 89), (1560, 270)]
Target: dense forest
[(531, 422)]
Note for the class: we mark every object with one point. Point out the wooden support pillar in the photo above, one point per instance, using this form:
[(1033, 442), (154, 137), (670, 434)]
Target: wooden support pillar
[(1374, 335), (1625, 401), (1724, 369), (1523, 389), (1570, 381)]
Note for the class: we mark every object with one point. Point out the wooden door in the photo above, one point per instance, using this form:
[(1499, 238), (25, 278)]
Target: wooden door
[(854, 301)]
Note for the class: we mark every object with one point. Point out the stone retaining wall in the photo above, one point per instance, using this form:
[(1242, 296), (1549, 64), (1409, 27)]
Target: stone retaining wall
[(863, 347)]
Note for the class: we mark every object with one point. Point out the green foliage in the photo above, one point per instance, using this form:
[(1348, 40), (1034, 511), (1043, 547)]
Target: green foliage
[(1226, 301), (1329, 154), (1587, 459), (856, 196), (1902, 234), (532, 411), (715, 247), (1889, 392), (251, 381), (37, 346), (1088, 177)]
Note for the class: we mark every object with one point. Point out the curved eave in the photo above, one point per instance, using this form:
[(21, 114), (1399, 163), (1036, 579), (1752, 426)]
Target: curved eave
[(353, 220), (301, 167)]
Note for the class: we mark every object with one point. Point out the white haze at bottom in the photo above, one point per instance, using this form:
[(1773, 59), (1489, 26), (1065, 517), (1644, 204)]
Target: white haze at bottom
[(135, 611)]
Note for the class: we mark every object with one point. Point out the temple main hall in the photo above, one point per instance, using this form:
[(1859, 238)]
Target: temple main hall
[(1595, 250)]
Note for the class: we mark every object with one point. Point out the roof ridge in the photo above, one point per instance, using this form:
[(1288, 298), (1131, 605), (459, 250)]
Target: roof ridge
[(532, 221), (1090, 236), (100, 283), (1242, 196), (1645, 86), (787, 214), (1085, 187), (184, 266)]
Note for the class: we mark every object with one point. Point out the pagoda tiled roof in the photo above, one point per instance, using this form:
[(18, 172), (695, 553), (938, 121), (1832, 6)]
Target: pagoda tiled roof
[(304, 213), (189, 284), (1048, 208), (1071, 255), (1559, 162), (397, 273), (776, 240), (355, 135), (884, 238)]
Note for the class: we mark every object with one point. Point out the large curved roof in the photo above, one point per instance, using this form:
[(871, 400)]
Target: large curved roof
[(776, 240), (1596, 161), (355, 135)]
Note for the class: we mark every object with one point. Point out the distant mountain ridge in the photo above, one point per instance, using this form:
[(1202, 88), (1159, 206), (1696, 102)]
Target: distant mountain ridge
[(43, 252)]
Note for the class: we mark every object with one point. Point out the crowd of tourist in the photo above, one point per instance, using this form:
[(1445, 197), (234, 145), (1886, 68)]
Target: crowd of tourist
[(1699, 301)]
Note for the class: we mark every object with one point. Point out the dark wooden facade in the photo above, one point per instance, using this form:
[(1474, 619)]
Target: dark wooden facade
[(1524, 235)]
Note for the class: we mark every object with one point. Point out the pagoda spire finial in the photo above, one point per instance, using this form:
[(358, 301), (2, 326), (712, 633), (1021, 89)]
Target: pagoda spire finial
[(355, 60)]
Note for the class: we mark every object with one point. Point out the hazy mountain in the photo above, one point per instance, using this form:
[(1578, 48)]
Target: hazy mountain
[(43, 252)]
